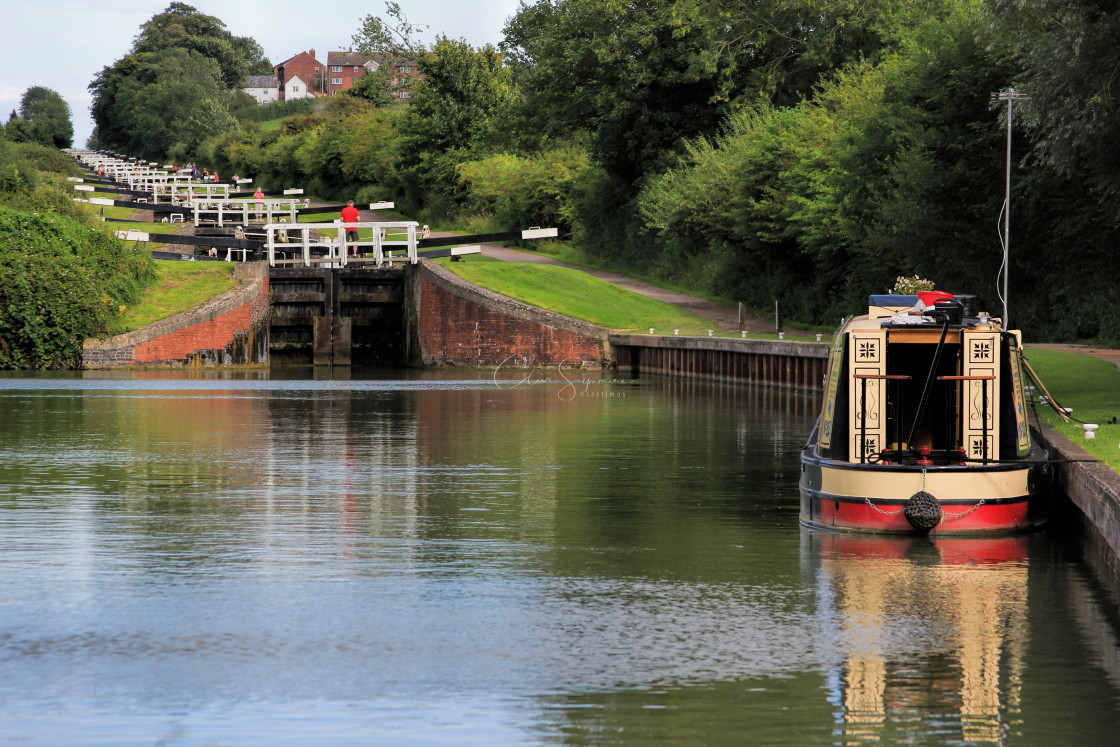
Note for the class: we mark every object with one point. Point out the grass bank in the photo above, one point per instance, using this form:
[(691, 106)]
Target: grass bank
[(1091, 387), (181, 286), (580, 296)]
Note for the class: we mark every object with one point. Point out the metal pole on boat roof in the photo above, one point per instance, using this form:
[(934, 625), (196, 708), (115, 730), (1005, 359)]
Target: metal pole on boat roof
[(1009, 95)]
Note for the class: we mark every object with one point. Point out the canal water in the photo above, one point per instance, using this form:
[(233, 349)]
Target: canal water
[(466, 557)]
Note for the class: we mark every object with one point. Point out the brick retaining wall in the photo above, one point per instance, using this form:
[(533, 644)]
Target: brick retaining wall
[(227, 330), (461, 324)]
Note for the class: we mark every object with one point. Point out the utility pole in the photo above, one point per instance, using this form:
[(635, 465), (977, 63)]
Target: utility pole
[(1009, 96)]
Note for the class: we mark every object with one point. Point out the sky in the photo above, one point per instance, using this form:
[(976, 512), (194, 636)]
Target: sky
[(64, 44)]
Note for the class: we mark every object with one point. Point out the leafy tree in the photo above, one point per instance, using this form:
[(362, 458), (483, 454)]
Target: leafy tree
[(378, 87), (394, 39), (162, 102), (643, 76), (1069, 53), (44, 118), (630, 73), (169, 89), (391, 43), (457, 108), (181, 25)]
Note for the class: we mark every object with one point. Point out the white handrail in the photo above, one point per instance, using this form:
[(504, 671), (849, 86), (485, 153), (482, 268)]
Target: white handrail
[(383, 238)]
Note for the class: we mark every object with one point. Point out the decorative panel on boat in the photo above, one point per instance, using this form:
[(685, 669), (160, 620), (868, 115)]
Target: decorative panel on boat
[(867, 357), (981, 399)]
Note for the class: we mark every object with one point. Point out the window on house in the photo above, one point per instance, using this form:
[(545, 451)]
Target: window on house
[(406, 69), (336, 68), (406, 95), (295, 89), (336, 81), (355, 68)]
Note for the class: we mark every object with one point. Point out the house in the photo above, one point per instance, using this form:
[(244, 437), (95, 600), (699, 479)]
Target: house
[(343, 68), (296, 88), (311, 72), (264, 88)]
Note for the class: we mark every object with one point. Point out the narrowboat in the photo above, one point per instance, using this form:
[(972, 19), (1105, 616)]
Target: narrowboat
[(923, 427)]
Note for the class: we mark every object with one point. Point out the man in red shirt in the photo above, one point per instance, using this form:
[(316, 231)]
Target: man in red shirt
[(350, 216)]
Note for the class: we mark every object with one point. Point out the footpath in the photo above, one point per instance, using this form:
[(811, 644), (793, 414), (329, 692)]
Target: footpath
[(1109, 354)]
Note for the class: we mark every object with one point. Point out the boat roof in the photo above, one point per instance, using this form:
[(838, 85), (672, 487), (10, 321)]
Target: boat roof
[(897, 310)]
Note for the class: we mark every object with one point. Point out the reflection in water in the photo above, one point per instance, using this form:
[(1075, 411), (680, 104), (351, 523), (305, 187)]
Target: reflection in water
[(925, 625), (432, 557)]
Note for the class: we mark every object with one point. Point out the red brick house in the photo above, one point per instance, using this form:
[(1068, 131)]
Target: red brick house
[(343, 68), (309, 70)]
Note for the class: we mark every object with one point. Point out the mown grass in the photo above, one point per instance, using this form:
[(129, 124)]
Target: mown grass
[(181, 286), (1088, 385), (568, 254), (579, 295)]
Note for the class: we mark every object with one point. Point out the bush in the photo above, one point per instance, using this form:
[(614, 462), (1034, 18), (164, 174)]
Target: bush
[(60, 282), (523, 191)]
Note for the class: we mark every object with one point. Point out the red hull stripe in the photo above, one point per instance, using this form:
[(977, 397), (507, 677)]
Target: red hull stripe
[(987, 517)]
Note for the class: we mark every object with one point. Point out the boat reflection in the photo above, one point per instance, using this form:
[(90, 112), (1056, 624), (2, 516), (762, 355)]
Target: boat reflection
[(927, 632)]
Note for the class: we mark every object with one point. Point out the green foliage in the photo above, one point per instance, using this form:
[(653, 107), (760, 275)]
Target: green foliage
[(378, 87), (392, 43), (18, 176), (634, 75), (394, 39), (524, 191), (456, 113), (806, 151), (182, 26), (1067, 55), (44, 118), (332, 153), (60, 282), (172, 90), (274, 110)]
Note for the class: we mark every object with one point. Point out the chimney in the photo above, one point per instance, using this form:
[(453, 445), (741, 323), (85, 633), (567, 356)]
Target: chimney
[(311, 52)]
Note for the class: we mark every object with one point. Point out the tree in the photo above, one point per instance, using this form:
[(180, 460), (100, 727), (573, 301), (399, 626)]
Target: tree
[(457, 106), (1069, 54), (392, 44), (396, 39), (170, 88), (643, 76), (630, 73), (44, 118), (160, 103), (181, 25)]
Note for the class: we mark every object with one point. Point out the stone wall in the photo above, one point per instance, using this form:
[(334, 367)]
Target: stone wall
[(229, 329), (457, 323), (1093, 487)]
